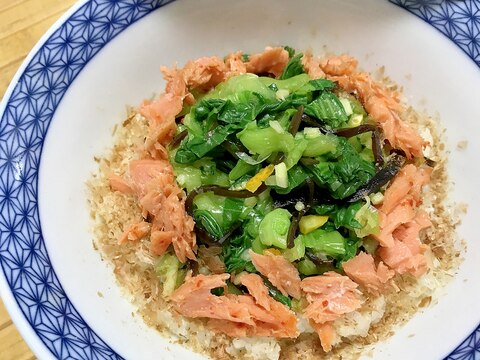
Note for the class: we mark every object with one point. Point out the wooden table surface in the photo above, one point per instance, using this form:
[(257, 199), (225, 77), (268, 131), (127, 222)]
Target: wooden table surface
[(22, 23)]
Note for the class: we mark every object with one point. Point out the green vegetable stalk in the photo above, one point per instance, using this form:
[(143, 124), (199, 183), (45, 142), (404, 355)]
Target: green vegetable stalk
[(274, 228)]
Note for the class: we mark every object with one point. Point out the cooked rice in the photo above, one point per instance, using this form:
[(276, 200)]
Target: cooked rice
[(376, 320)]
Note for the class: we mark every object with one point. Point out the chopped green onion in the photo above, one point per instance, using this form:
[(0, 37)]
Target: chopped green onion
[(275, 125), (311, 133), (281, 94), (346, 105), (281, 175)]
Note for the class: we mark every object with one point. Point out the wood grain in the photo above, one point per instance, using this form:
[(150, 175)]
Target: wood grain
[(22, 23)]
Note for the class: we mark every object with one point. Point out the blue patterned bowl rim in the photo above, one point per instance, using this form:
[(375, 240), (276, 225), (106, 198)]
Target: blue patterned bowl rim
[(26, 112)]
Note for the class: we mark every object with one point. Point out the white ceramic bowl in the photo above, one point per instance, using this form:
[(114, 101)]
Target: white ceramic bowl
[(103, 55)]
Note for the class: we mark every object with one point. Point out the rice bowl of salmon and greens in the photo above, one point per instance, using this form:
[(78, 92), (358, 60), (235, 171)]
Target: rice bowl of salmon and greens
[(275, 205)]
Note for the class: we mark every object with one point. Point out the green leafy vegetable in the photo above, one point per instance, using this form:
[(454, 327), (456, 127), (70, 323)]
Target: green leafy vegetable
[(245, 124), (196, 174), (296, 153), (293, 68), (208, 221), (320, 145), (235, 254), (296, 177), (241, 169), (218, 291), (167, 270), (274, 228), (232, 211), (307, 267), (265, 141), (233, 88), (217, 214), (344, 176), (296, 252), (277, 295), (367, 216), (346, 216), (256, 215), (290, 50), (351, 249), (299, 83), (321, 84), (330, 243), (328, 108)]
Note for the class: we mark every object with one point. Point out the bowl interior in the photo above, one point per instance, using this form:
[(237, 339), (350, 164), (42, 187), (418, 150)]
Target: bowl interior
[(127, 71)]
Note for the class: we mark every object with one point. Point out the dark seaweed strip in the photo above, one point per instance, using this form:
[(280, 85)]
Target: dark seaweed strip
[(292, 231), (178, 139), (380, 178), (296, 120), (315, 123), (376, 142), (357, 130), (377, 149)]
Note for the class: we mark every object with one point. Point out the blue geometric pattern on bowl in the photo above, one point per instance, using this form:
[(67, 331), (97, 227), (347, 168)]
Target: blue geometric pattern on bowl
[(459, 20), (24, 125), (23, 256)]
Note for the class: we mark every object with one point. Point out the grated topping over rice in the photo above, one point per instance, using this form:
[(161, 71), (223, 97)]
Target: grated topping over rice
[(133, 263)]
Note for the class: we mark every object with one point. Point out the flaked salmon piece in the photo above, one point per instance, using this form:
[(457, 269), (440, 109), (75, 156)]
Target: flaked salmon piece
[(120, 184), (280, 272), (284, 324), (382, 106), (140, 174), (176, 84), (398, 133), (272, 61), (162, 111), (401, 214), (235, 64), (194, 299), (161, 114), (184, 246), (283, 329), (409, 180), (160, 203), (160, 241), (400, 222), (330, 296), (326, 333), (234, 315), (155, 151), (400, 258), (153, 182), (401, 200), (407, 253), (365, 87), (257, 289), (204, 73), (311, 65), (339, 65), (363, 271), (135, 232), (144, 174), (159, 198), (210, 256)]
